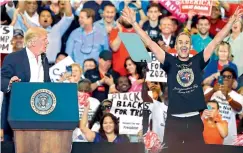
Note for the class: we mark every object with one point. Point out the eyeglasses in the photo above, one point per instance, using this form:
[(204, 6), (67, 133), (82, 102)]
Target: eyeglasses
[(227, 76), (106, 107)]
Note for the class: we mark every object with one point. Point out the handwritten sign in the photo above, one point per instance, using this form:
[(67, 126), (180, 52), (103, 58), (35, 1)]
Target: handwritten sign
[(225, 110), (58, 69), (130, 124), (5, 39), (130, 104), (83, 100), (155, 73), (126, 105), (2, 2), (173, 6), (201, 7)]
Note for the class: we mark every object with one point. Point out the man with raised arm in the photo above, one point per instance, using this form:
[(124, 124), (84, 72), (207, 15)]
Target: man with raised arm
[(186, 99)]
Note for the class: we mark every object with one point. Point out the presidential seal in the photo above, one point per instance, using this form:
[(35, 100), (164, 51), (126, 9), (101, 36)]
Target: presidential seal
[(43, 101), (185, 77)]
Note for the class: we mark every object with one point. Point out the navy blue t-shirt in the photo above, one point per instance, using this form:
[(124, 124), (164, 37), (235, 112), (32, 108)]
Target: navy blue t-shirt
[(118, 139), (101, 92), (153, 32), (184, 83)]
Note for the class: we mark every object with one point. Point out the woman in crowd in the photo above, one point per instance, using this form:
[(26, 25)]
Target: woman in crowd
[(155, 87), (212, 71), (235, 39), (103, 108), (108, 131), (74, 76), (134, 74)]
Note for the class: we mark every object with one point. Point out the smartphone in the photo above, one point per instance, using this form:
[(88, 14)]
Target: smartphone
[(107, 74), (209, 107), (69, 70), (221, 80)]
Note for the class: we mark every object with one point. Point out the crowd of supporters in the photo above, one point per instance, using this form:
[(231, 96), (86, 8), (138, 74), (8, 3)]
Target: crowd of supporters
[(87, 31)]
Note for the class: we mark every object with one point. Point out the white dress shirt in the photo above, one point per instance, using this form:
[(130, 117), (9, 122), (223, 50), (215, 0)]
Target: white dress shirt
[(36, 68), (34, 19), (166, 41)]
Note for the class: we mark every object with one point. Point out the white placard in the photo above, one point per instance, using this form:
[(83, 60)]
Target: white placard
[(155, 73), (129, 104), (58, 69), (6, 35), (130, 124)]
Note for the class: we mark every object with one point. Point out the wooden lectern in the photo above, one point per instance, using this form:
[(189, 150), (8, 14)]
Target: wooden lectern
[(42, 141), (43, 117)]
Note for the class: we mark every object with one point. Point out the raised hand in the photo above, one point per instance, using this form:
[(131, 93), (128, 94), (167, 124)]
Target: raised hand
[(191, 14), (237, 15), (138, 4), (129, 15)]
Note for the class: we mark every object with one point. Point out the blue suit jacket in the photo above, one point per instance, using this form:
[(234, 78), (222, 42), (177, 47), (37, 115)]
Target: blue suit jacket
[(15, 64)]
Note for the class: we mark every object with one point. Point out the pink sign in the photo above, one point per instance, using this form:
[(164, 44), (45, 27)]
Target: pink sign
[(173, 6), (201, 7), (2, 2), (83, 98)]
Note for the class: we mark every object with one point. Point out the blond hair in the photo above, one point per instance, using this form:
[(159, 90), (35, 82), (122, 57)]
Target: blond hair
[(78, 66), (223, 43), (33, 33)]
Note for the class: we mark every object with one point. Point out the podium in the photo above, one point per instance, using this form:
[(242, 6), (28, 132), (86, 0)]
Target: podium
[(43, 116)]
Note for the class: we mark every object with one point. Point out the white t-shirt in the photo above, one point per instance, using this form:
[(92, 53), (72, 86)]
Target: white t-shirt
[(94, 104), (227, 113), (158, 116), (78, 136)]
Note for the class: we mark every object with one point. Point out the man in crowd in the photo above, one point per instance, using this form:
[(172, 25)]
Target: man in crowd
[(33, 68), (230, 102), (120, 52), (18, 40), (89, 64), (84, 90), (186, 99), (107, 23), (29, 8), (202, 39), (166, 39), (152, 25), (102, 77), (123, 84), (86, 41), (215, 129), (159, 114), (217, 23), (98, 6), (56, 32)]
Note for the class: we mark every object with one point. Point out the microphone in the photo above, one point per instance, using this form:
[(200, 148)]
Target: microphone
[(43, 56)]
